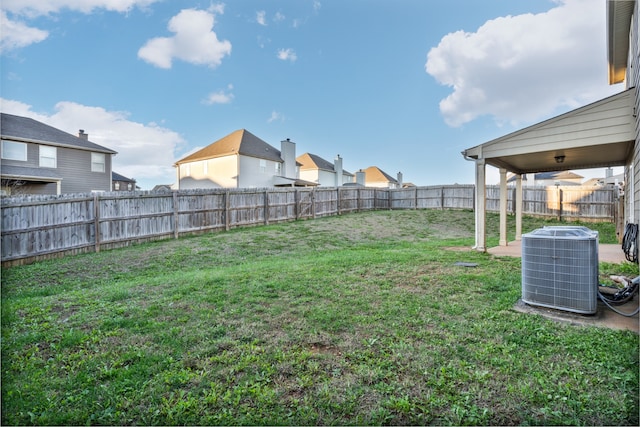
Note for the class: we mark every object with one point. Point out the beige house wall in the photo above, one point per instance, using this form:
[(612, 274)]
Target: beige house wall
[(220, 172), (324, 178), (254, 175), (311, 175)]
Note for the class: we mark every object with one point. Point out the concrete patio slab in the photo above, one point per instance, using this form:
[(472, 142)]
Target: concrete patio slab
[(606, 252), (604, 317)]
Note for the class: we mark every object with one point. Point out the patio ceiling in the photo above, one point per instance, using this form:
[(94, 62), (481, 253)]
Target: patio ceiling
[(600, 134)]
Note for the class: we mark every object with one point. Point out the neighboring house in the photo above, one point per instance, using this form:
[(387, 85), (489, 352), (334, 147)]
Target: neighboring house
[(316, 169), (545, 179), (240, 160), (122, 183), (376, 177), (605, 133), (39, 159), (162, 188)]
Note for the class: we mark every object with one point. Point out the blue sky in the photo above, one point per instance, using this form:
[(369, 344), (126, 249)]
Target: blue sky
[(404, 85)]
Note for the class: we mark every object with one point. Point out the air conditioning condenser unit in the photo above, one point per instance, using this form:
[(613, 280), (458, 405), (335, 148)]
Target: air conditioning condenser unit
[(560, 268)]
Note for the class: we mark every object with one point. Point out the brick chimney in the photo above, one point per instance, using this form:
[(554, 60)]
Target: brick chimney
[(83, 135)]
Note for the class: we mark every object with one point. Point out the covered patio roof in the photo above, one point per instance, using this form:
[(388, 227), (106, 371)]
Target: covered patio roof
[(600, 134)]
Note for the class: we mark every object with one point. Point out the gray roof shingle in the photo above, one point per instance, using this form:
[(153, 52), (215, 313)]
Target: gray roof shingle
[(31, 130), (239, 142)]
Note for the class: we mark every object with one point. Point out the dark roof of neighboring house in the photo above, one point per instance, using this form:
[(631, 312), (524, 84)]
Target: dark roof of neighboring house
[(162, 187), (375, 174), (281, 181), (558, 175), (239, 142), (29, 173), (117, 177), (312, 161), (30, 130)]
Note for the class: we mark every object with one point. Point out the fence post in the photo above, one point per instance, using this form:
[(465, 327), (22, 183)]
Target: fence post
[(442, 198), (296, 198), (559, 204), (313, 203), (338, 200), (266, 207), (175, 214), (96, 215), (473, 198), (226, 210)]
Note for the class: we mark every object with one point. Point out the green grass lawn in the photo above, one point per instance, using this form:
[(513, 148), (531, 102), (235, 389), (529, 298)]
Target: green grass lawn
[(358, 319)]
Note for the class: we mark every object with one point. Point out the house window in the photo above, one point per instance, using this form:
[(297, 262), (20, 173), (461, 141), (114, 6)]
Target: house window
[(48, 156), (116, 185), (14, 150), (98, 162), (278, 169), (263, 166), (129, 186)]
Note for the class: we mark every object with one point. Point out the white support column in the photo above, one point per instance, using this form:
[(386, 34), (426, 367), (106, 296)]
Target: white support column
[(518, 202), (503, 207), (481, 199)]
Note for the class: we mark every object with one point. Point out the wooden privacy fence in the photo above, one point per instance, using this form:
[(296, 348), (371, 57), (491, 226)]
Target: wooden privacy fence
[(38, 227)]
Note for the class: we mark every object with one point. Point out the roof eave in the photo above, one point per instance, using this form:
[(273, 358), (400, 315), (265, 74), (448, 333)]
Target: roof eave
[(619, 14), (98, 148)]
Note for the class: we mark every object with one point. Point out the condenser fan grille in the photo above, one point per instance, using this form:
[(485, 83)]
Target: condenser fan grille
[(560, 268)]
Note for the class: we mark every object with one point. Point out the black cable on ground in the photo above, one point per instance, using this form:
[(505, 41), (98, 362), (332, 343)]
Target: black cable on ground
[(604, 300), (630, 242), (622, 296)]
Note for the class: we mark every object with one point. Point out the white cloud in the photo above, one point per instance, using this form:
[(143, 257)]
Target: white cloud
[(32, 8), (194, 41), (275, 116), (519, 69), (261, 17), (287, 55), (262, 41), (146, 152), (278, 17), (16, 34), (220, 97)]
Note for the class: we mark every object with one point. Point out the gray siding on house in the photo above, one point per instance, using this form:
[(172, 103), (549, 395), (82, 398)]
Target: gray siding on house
[(73, 166), (73, 160), (633, 80)]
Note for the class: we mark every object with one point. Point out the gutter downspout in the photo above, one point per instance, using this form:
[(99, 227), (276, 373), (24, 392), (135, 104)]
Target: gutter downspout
[(480, 203)]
